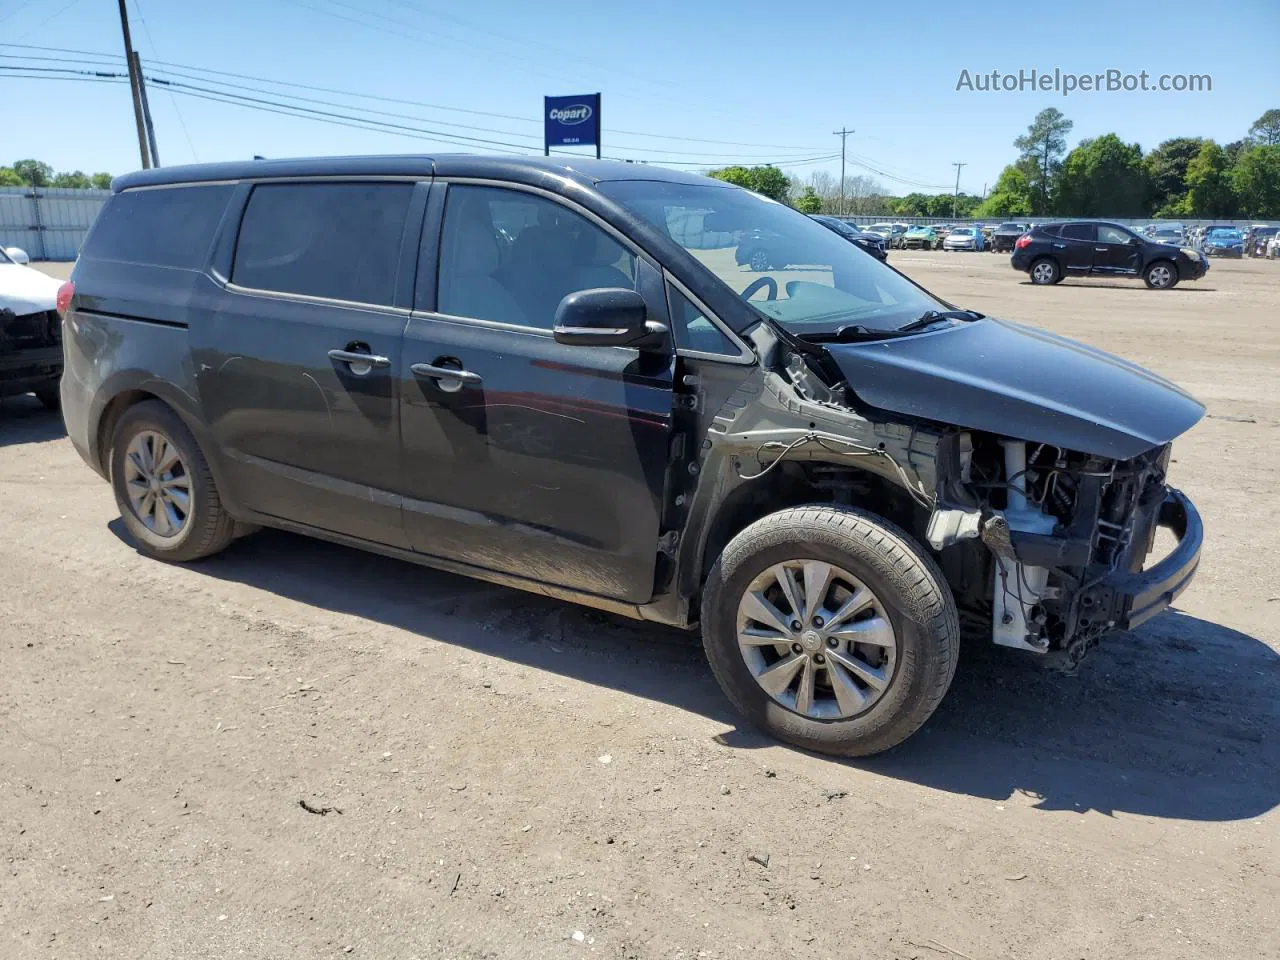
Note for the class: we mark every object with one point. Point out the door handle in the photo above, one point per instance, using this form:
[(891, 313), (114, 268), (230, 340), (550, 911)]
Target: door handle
[(361, 363), (1101, 249), (457, 377)]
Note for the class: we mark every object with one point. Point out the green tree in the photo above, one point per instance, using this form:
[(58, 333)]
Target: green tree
[(809, 201), (1010, 197), (1209, 192), (767, 180), (101, 181), (1103, 177), (1167, 169), (1042, 149), (8, 178), (33, 173), (75, 179), (1256, 179), (913, 205), (1266, 129)]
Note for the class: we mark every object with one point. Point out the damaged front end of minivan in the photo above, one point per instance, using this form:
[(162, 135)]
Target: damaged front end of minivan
[(1033, 467)]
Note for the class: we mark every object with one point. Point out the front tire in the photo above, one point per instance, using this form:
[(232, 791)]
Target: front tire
[(164, 488), (760, 260), (1161, 275), (877, 639)]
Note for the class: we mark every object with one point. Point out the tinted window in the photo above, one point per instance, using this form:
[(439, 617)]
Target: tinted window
[(512, 256), (337, 240), (699, 333), (1112, 234), (1078, 231), (167, 227)]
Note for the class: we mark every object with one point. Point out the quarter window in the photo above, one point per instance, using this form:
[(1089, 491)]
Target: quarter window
[(340, 241), (511, 256), (165, 227), (698, 332)]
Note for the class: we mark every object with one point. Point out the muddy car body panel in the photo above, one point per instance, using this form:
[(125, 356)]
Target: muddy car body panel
[(607, 438)]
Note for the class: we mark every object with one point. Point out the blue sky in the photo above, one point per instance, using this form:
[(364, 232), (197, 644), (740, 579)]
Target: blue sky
[(773, 79)]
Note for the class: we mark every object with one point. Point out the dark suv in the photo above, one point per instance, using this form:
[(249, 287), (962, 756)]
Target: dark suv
[(535, 372), (1084, 248)]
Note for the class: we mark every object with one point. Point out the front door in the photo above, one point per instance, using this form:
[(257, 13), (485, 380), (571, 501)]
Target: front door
[(1077, 247), (1116, 252), (523, 455), (296, 364)]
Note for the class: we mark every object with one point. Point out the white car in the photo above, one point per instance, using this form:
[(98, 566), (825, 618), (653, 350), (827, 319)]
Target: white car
[(1273, 247), (963, 238), (30, 329)]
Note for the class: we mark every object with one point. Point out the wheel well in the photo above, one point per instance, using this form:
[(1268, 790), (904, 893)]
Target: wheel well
[(111, 415), (1147, 268), (794, 484)]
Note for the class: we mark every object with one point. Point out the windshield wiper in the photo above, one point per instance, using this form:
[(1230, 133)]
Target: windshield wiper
[(849, 333), (930, 317)]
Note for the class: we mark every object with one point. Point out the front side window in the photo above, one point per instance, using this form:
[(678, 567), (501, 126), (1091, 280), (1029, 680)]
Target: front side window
[(1112, 235), (340, 241), (787, 266)]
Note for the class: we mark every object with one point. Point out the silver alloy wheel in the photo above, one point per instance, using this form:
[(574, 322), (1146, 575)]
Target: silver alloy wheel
[(157, 482), (1042, 272), (759, 261), (816, 639), (1160, 275)]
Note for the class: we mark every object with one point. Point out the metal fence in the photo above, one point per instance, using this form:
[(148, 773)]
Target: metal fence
[(49, 223)]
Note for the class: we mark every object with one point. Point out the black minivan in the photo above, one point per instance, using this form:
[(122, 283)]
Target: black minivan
[(554, 374)]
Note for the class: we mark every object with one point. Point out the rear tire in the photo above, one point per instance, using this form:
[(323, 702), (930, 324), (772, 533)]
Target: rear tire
[(907, 591), (183, 519), (1045, 272)]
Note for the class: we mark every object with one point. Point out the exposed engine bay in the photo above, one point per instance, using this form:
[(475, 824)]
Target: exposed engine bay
[(1042, 544)]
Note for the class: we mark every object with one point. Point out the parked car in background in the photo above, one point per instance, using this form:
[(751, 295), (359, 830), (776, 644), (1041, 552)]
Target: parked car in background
[(1223, 242), (942, 230), (884, 230), (824, 471), (872, 243), (1003, 236), (963, 238), (1273, 246), (30, 329), (1167, 233), (1085, 248), (1258, 239), (921, 238)]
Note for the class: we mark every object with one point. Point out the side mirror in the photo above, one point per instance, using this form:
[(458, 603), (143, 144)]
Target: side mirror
[(607, 317), (17, 254), (1135, 241)]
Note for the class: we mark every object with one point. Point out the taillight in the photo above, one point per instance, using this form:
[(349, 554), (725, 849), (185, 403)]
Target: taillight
[(1023, 241), (65, 293)]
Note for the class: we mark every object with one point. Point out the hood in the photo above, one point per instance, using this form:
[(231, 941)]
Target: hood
[(1018, 382), (24, 290)]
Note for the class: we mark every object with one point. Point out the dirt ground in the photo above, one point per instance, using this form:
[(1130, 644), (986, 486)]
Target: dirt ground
[(518, 778)]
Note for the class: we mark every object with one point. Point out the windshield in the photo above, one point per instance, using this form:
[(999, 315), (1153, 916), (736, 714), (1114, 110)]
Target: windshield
[(880, 228), (1226, 234), (790, 268), (962, 232)]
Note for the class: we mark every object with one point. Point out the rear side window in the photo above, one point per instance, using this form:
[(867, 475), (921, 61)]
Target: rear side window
[(1078, 231), (167, 226), (340, 241)]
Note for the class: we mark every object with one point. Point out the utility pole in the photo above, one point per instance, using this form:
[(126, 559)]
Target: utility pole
[(135, 86), (955, 201), (146, 111), (843, 134)]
